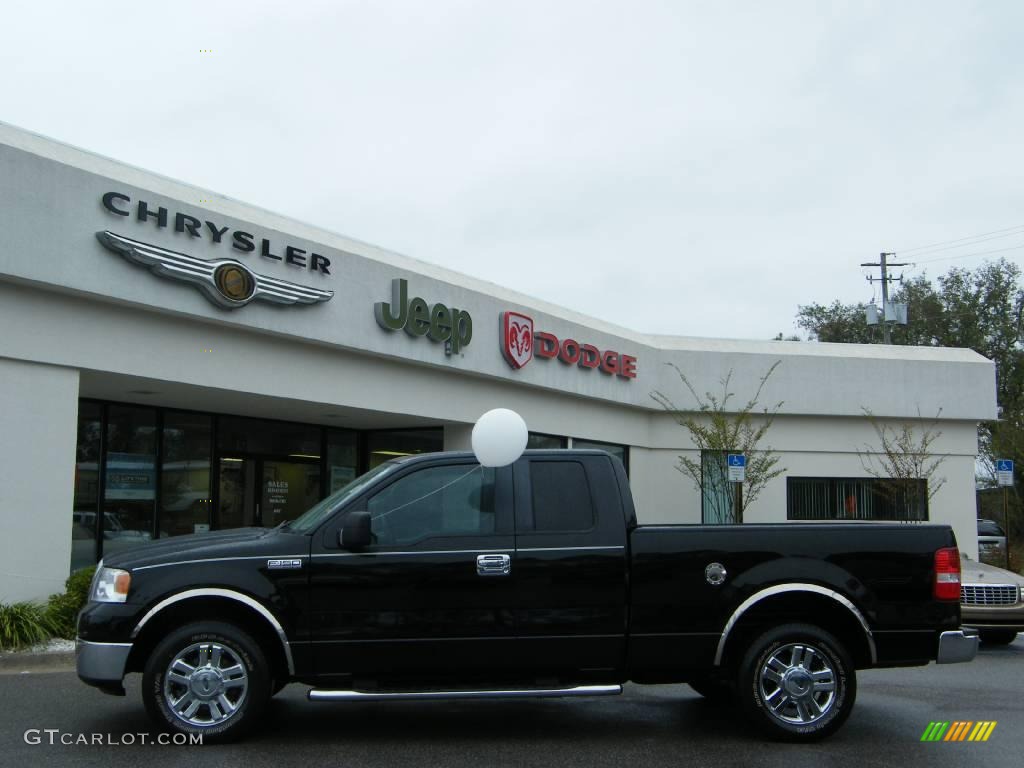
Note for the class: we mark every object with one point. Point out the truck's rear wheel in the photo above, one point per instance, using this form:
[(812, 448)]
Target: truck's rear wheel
[(797, 683), (208, 678)]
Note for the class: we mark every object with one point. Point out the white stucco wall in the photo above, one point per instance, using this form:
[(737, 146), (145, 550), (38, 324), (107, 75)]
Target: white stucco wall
[(38, 432), (81, 321), (808, 447)]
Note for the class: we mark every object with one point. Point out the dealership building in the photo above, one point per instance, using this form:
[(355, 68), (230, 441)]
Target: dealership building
[(173, 361)]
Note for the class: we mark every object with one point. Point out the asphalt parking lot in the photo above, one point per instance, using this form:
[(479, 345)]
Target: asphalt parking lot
[(647, 726)]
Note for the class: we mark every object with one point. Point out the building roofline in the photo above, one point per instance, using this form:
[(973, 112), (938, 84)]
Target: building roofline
[(94, 162)]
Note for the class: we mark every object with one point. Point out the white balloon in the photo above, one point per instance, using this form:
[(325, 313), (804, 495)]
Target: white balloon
[(499, 437)]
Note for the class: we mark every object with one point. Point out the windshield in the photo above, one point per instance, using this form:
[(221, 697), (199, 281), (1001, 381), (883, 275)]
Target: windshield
[(311, 518)]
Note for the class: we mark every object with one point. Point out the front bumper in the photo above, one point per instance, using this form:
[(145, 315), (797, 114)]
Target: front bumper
[(993, 617), (102, 664), (956, 647)]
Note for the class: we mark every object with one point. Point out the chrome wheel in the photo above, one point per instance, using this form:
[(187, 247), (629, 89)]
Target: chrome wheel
[(797, 684), (205, 684)]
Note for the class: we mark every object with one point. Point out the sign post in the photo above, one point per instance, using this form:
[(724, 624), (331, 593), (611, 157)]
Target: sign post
[(1004, 475)]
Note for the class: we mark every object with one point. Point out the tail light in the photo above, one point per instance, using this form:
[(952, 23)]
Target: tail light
[(947, 574)]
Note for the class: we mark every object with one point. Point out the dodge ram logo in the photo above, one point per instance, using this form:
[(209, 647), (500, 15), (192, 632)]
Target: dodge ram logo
[(519, 343), (517, 338)]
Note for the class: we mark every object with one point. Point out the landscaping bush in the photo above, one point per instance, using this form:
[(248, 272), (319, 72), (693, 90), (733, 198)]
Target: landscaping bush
[(62, 610), (24, 624)]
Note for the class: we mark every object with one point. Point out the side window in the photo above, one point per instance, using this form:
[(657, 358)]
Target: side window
[(561, 496), (455, 500)]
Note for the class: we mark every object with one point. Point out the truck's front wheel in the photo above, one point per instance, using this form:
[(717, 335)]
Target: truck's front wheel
[(797, 682), (208, 678)]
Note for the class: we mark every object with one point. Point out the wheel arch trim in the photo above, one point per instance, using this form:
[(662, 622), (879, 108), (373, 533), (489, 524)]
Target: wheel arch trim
[(781, 589), (230, 594)]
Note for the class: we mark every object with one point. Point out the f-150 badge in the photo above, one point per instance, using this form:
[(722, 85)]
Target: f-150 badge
[(289, 563), (225, 282)]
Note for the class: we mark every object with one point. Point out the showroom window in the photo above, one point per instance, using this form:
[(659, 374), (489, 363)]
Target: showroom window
[(242, 435), (385, 444), (539, 441), (129, 485), (830, 498), (621, 452), (87, 485), (146, 472), (185, 501), (342, 458)]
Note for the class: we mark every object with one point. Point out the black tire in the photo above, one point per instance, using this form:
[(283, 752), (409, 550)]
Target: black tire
[(797, 683), (997, 636), (715, 689), (229, 683)]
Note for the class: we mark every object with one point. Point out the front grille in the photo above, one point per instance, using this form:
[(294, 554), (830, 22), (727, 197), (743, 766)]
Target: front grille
[(988, 594)]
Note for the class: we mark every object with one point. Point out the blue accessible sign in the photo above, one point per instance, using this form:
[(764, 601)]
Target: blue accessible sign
[(737, 467), (1004, 471)]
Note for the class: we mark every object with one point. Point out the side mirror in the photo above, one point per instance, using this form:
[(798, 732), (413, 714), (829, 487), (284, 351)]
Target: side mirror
[(356, 533)]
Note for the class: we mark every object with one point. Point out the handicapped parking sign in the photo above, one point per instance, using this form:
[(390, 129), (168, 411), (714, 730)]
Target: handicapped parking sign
[(1004, 471), (737, 467)]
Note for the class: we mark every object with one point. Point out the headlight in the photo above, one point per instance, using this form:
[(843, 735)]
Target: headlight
[(110, 585)]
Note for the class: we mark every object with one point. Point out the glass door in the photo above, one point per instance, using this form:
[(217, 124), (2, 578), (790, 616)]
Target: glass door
[(287, 489), (265, 492), (237, 507)]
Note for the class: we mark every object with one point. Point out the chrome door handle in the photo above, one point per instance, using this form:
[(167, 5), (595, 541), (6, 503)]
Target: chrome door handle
[(493, 565)]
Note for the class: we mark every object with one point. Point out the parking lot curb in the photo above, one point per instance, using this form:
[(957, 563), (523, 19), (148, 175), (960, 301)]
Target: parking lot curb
[(16, 662)]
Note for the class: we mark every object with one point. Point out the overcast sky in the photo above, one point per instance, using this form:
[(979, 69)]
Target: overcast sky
[(692, 168)]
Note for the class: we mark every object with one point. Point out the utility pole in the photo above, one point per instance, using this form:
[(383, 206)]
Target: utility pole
[(886, 327)]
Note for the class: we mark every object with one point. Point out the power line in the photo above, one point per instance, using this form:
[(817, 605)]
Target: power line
[(962, 240), (978, 241), (967, 255)]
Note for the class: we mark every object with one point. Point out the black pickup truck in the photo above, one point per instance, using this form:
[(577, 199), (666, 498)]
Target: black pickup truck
[(433, 577)]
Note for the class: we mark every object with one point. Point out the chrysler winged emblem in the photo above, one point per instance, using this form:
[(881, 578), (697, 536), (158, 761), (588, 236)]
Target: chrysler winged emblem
[(516, 338), (226, 282)]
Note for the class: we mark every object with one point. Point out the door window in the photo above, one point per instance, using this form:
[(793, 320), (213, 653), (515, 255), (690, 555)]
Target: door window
[(454, 500), (561, 497)]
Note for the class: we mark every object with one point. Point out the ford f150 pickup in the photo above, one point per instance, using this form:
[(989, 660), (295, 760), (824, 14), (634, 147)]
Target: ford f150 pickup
[(434, 577)]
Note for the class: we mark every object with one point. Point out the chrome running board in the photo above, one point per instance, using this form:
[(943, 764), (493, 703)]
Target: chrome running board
[(316, 694)]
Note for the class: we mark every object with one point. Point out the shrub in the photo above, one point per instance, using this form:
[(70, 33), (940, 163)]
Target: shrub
[(62, 610), (24, 624)]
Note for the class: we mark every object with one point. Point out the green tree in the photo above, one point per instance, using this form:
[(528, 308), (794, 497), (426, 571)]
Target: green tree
[(903, 457), (979, 309), (717, 428)]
